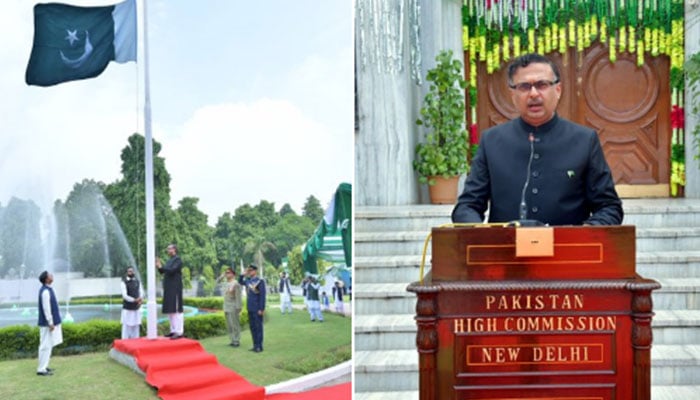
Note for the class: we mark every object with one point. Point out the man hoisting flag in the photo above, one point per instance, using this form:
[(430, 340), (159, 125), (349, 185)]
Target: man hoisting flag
[(72, 43)]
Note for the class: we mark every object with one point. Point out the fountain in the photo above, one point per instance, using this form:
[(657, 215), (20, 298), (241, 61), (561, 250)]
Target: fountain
[(80, 241), (28, 315)]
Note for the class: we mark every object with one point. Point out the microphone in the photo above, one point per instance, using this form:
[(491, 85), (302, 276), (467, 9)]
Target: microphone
[(523, 221)]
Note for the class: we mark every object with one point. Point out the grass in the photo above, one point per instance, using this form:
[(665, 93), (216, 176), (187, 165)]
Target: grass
[(293, 347)]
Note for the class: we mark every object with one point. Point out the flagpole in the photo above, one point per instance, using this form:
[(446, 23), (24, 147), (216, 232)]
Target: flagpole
[(151, 331)]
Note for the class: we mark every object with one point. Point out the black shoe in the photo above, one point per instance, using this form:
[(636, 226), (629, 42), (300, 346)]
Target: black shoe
[(50, 369), (258, 350), (45, 373), (234, 345), (170, 334), (175, 337)]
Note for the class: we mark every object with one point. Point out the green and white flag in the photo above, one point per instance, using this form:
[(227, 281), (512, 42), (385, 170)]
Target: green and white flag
[(72, 43)]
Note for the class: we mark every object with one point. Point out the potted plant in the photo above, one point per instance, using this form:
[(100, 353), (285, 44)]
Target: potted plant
[(442, 158)]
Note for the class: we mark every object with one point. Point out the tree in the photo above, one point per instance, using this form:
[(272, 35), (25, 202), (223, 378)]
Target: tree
[(256, 247), (128, 198), (195, 237), (20, 237), (207, 281), (285, 210), (224, 239), (186, 278), (312, 209), (295, 264), (87, 232), (292, 230)]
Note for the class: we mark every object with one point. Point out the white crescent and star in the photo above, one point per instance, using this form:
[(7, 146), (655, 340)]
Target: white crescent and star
[(76, 63)]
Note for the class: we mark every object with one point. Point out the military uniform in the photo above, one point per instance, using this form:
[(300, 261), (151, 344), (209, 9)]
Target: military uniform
[(256, 296), (233, 304)]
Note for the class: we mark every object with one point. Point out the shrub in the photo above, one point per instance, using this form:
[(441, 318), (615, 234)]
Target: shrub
[(22, 341), (208, 303)]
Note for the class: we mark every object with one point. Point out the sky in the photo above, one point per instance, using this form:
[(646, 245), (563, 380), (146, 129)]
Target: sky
[(251, 101)]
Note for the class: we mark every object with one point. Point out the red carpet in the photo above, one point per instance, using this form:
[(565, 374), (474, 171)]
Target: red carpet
[(183, 370)]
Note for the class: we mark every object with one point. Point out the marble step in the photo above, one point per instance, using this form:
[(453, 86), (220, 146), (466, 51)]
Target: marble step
[(657, 393), (663, 212), (677, 294), (401, 218), (414, 242), (668, 239), (644, 213), (678, 392), (397, 370), (393, 370), (385, 332), (669, 264), (675, 364), (383, 298), (388, 269), (392, 298), (676, 327), (398, 332)]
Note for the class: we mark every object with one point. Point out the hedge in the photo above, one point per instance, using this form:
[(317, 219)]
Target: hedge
[(22, 341)]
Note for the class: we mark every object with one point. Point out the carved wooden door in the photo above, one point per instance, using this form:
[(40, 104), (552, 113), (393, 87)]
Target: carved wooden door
[(627, 105)]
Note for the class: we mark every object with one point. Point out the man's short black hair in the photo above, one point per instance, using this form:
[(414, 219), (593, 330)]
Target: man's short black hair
[(43, 276), (527, 59)]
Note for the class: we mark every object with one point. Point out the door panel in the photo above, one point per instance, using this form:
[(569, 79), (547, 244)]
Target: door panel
[(627, 105)]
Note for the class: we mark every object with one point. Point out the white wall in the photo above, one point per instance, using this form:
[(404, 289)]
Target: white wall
[(692, 45)]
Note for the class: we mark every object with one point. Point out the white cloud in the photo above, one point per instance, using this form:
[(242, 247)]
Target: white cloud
[(236, 153)]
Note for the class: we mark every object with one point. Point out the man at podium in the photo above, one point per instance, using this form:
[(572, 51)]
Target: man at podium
[(539, 166)]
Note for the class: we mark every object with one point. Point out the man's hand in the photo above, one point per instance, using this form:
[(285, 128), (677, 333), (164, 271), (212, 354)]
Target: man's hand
[(159, 263), (261, 312), (51, 327)]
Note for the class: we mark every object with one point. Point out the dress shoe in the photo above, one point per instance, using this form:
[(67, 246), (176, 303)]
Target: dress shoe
[(50, 369), (234, 344), (45, 373), (175, 337), (170, 334)]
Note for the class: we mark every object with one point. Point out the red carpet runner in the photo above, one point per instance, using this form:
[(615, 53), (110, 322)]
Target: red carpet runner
[(183, 370)]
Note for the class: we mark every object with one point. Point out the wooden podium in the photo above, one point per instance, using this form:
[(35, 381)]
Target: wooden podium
[(534, 313)]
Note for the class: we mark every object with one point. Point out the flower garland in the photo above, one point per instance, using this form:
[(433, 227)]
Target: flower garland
[(496, 31)]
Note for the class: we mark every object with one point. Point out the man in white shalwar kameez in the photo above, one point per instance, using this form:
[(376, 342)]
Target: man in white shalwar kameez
[(131, 305), (50, 332)]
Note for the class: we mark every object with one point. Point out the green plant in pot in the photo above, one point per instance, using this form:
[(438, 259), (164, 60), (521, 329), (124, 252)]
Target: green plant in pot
[(442, 157)]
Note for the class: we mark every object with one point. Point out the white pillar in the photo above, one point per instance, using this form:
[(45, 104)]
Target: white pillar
[(692, 45)]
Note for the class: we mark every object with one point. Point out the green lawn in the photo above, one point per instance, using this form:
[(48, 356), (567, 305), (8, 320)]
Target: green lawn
[(293, 347)]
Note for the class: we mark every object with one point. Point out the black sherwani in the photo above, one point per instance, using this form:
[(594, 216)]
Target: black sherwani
[(570, 181), (172, 285)]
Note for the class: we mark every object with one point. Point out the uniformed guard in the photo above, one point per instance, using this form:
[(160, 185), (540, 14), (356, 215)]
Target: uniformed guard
[(255, 291)]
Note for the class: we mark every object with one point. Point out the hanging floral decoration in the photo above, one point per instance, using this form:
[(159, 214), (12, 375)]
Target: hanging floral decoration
[(496, 31)]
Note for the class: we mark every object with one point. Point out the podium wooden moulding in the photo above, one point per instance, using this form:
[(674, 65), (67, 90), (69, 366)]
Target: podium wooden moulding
[(573, 325)]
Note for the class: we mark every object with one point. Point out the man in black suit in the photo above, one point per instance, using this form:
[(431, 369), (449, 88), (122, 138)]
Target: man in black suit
[(568, 180), (172, 291)]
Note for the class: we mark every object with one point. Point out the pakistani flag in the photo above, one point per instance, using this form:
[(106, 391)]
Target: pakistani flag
[(72, 43)]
